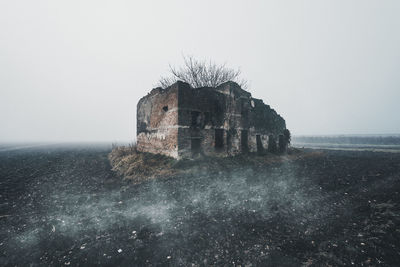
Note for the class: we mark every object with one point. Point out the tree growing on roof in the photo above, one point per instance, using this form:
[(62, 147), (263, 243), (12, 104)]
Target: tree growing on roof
[(202, 73)]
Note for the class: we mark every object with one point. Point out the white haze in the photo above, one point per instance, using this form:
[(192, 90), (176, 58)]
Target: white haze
[(171, 207), (75, 70)]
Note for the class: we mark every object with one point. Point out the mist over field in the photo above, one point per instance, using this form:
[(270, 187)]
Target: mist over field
[(62, 205)]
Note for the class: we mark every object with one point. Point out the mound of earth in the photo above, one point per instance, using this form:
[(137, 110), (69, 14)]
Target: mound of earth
[(138, 167)]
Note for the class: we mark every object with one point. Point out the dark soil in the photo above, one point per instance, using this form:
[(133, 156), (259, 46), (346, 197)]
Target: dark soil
[(64, 206)]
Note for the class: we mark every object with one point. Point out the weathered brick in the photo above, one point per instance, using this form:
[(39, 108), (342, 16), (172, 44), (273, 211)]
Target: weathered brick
[(181, 121)]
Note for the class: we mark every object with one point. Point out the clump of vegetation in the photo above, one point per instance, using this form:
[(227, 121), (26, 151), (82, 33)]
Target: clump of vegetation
[(138, 166), (202, 73)]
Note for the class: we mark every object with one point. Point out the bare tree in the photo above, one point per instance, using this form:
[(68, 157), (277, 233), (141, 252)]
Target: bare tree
[(202, 74)]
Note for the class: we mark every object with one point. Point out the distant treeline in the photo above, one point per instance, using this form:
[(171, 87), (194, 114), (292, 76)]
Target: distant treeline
[(376, 140)]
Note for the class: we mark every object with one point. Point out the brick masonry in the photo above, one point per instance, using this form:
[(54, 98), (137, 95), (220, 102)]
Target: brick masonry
[(185, 122)]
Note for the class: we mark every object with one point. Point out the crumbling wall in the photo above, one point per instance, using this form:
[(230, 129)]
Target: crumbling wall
[(204, 111), (183, 122), (157, 122), (201, 111)]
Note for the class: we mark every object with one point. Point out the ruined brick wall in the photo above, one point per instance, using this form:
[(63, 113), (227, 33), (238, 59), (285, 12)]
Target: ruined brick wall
[(218, 121), (200, 113), (231, 111), (157, 122)]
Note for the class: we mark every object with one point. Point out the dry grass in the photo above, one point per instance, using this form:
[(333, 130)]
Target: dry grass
[(138, 166)]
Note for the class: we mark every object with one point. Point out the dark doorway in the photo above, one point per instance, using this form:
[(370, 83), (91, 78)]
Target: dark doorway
[(228, 140), (244, 141), (260, 148), (272, 144), (196, 146), (207, 118), (219, 139), (195, 118), (282, 143)]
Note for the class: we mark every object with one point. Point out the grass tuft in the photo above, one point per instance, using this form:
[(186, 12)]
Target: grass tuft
[(138, 166)]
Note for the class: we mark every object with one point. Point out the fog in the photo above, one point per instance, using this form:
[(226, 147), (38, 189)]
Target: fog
[(75, 70), (167, 207), (76, 210)]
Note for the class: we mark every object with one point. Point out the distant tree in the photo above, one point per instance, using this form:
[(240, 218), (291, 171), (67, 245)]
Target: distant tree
[(202, 74)]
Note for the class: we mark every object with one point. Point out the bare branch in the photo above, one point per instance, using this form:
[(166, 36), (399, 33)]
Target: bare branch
[(202, 74)]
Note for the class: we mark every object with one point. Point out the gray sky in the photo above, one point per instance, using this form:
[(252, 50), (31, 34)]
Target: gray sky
[(75, 70)]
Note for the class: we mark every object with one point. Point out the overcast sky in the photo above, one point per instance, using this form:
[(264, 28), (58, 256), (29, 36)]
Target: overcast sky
[(75, 70)]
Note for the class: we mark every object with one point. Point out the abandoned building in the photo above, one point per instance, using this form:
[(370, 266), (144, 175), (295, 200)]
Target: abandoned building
[(183, 122)]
